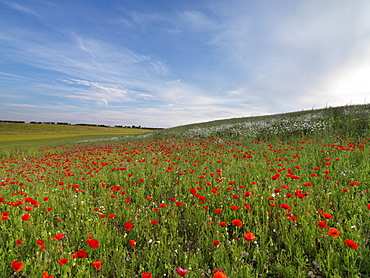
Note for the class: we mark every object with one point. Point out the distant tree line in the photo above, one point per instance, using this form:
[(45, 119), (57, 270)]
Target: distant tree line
[(79, 124), (15, 122)]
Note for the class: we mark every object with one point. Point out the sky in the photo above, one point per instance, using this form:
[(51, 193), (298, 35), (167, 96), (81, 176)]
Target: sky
[(167, 63)]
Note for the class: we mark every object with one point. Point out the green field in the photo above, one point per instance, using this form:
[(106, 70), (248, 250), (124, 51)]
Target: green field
[(284, 196), (24, 134)]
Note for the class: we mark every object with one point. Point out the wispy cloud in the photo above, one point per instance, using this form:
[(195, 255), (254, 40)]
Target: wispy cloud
[(52, 107), (104, 93), (21, 8)]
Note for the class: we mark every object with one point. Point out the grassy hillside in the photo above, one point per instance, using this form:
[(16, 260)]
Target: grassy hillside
[(352, 121)]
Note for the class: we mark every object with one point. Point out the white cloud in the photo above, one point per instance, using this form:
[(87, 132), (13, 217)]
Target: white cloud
[(350, 83), (103, 93)]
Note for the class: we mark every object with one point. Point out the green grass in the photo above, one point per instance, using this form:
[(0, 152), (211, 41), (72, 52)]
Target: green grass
[(24, 135), (26, 128), (94, 189)]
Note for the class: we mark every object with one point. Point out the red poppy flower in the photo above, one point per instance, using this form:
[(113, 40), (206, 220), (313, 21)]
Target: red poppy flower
[(237, 222), (218, 211), (46, 275), (81, 254), (247, 206), (327, 215), (42, 247), (223, 223), (216, 243), (97, 264), (285, 206), (248, 193), (58, 236), (234, 207), (293, 218), (333, 232), (17, 266), (181, 272), (146, 275), (154, 222), (132, 242), (249, 236), (322, 224), (26, 217), (193, 191), (93, 243), (351, 243), (18, 242), (219, 274), (128, 225), (63, 261)]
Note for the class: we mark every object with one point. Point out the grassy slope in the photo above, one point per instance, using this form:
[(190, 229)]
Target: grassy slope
[(352, 120), (259, 118)]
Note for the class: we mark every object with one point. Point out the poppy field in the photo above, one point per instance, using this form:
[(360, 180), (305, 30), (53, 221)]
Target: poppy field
[(172, 207)]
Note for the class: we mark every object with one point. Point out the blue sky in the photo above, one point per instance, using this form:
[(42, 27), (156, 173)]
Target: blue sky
[(160, 63)]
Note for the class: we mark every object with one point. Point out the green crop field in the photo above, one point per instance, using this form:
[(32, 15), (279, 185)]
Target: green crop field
[(277, 196), (25, 134)]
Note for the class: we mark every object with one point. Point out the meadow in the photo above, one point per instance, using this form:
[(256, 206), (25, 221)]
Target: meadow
[(276, 196), (15, 135)]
